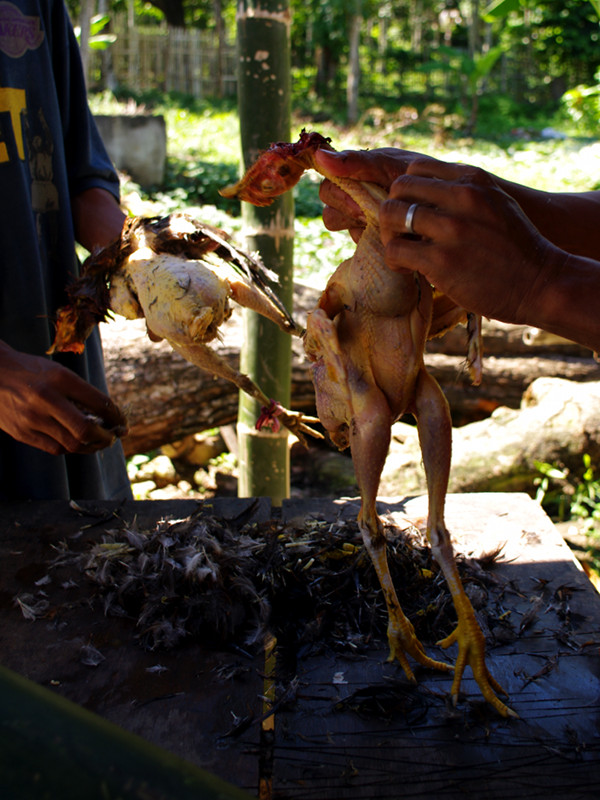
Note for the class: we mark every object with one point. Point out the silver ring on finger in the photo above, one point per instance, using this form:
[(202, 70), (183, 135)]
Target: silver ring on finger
[(410, 215)]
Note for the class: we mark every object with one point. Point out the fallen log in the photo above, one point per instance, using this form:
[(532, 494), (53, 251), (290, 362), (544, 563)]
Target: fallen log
[(557, 423), (166, 398), (503, 339)]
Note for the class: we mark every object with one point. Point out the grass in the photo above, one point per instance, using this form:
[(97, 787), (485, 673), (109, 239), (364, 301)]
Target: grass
[(203, 153)]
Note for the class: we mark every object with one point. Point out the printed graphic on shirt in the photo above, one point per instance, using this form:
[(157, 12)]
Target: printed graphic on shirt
[(44, 195), (12, 111), (26, 136), (18, 33)]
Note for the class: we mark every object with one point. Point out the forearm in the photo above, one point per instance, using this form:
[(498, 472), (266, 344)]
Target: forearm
[(568, 220), (97, 218), (569, 302)]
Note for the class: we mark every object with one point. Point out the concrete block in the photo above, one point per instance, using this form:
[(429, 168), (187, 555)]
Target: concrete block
[(137, 145)]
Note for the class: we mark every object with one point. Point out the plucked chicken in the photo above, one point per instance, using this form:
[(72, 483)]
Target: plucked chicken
[(180, 275), (366, 340)]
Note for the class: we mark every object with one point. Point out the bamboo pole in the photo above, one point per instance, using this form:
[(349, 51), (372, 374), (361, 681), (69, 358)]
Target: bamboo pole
[(264, 106)]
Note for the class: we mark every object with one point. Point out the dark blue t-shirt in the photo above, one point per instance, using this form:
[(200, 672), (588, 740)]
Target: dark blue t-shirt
[(50, 151)]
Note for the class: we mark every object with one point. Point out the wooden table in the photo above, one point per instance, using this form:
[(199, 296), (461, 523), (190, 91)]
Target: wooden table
[(347, 727)]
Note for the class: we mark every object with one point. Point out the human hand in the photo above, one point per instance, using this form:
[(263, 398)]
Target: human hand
[(381, 166), (47, 406), (470, 240)]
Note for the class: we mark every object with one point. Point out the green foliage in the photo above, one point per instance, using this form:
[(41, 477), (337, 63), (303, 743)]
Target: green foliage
[(500, 115), (198, 183), (472, 69), (98, 40), (499, 9), (566, 496), (583, 107), (317, 251)]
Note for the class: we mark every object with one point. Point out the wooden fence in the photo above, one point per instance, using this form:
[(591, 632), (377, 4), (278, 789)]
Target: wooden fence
[(175, 59), (192, 62)]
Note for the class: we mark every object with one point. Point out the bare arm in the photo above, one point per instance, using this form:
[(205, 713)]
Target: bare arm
[(568, 219), (494, 247), (97, 218), (477, 246), (42, 403)]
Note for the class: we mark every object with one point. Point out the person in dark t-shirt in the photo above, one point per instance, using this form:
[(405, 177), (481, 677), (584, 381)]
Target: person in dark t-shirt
[(57, 423)]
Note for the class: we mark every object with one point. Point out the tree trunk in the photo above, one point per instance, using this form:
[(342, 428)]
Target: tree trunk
[(220, 25), (166, 398), (85, 19), (474, 29), (354, 64), (264, 94), (173, 11), (326, 68)]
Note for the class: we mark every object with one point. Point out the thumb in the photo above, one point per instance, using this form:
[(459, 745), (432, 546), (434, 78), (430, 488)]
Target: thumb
[(334, 163)]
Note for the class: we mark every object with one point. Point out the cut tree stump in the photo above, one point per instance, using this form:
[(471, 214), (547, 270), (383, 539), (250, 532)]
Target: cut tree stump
[(166, 398)]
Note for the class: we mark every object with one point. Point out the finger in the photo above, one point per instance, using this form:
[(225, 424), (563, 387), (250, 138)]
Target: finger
[(51, 436), (393, 218), (43, 441), (344, 164), (335, 220), (380, 166), (95, 435), (76, 405), (443, 170), (75, 427), (449, 172), (410, 254), (335, 197), (88, 400), (425, 191)]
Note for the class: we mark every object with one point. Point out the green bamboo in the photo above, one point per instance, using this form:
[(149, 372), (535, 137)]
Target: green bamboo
[(52, 749), (264, 96)]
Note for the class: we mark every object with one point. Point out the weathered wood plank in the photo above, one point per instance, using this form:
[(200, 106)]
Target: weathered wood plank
[(359, 730), (349, 727), (182, 700)]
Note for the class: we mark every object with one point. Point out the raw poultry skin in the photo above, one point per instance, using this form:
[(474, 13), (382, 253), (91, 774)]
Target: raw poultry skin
[(179, 275), (366, 340)]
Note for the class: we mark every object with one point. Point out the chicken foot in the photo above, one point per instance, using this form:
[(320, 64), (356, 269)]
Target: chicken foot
[(272, 413), (369, 443), (434, 427)]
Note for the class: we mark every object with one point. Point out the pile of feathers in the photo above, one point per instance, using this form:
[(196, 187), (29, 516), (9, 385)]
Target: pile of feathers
[(313, 586)]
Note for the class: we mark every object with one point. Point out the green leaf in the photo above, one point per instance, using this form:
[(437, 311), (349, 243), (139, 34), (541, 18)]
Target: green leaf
[(549, 471), (102, 42), (485, 62), (502, 8), (596, 6), (98, 22)]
